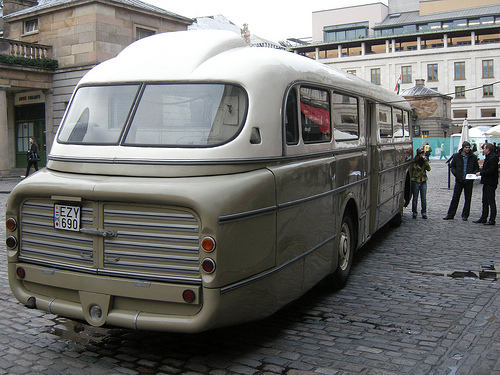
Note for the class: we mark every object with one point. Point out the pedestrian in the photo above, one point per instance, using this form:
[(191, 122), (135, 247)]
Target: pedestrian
[(443, 152), (33, 157), (463, 162), (428, 150), (489, 179), (484, 145), (420, 166), (474, 148)]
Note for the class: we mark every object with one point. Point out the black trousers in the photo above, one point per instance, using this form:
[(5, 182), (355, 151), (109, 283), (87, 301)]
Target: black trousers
[(489, 203), (30, 163), (466, 187)]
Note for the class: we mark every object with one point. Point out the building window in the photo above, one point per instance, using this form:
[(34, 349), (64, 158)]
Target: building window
[(488, 112), (351, 31), (30, 26), (488, 69), (143, 33), (488, 90), (460, 113), (375, 74), (432, 72), (406, 74), (460, 70), (459, 92)]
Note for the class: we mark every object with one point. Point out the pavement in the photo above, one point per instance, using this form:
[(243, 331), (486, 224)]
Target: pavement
[(423, 298)]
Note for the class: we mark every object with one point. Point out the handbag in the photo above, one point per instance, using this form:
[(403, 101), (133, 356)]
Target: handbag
[(33, 156)]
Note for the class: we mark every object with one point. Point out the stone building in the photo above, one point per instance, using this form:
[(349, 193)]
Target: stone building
[(431, 110), (66, 38), (453, 44)]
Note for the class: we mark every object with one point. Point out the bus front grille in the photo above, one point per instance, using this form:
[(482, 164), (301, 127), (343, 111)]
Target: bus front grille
[(141, 242)]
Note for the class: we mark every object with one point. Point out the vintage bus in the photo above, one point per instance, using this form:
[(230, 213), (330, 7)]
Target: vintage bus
[(197, 182)]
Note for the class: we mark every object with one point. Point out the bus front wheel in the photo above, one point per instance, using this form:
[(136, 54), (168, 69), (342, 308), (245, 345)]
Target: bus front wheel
[(345, 253)]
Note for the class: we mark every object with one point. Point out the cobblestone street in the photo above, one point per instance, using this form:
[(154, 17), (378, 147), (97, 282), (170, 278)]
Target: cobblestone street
[(423, 298)]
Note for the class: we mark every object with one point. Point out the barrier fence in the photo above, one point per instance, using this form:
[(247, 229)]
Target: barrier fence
[(443, 148)]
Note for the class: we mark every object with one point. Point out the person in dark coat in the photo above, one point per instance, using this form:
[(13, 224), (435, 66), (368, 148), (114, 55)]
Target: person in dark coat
[(489, 179), (464, 162), (32, 156)]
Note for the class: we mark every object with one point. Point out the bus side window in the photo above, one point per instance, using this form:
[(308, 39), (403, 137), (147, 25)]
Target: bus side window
[(345, 117), (406, 123), (292, 118), (385, 121), (315, 115), (398, 122)]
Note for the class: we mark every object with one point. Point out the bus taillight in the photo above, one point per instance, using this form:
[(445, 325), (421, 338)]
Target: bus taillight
[(208, 244), (11, 242), (11, 223), (20, 272), (188, 295), (208, 265)]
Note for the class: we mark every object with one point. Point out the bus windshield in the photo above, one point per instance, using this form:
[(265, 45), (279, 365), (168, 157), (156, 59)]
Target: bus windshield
[(169, 115)]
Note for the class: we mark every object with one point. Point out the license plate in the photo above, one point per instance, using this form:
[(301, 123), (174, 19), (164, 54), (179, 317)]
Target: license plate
[(67, 217)]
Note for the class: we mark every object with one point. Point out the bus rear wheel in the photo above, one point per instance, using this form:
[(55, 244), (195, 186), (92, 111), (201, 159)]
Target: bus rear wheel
[(345, 253)]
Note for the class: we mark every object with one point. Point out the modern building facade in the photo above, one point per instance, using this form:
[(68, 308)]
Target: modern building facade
[(452, 44), (71, 36)]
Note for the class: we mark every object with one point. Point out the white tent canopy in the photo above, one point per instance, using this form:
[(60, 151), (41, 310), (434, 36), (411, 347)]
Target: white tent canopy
[(494, 131)]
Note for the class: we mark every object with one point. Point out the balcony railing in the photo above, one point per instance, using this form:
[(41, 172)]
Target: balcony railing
[(27, 50)]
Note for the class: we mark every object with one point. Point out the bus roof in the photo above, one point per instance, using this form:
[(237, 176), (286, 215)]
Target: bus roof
[(215, 56)]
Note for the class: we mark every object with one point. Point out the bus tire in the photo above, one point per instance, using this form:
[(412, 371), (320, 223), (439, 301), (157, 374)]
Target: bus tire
[(345, 253)]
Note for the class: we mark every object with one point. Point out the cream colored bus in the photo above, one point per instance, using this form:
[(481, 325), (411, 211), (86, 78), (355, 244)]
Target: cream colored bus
[(197, 182)]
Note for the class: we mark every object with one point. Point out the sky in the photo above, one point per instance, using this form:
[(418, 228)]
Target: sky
[(274, 20)]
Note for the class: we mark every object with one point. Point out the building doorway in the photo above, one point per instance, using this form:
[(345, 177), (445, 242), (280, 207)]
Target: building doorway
[(30, 122)]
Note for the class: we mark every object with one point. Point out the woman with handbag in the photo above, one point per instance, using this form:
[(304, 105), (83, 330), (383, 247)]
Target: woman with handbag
[(33, 157)]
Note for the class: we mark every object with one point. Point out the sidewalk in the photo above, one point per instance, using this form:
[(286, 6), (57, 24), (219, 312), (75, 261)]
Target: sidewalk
[(8, 183)]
